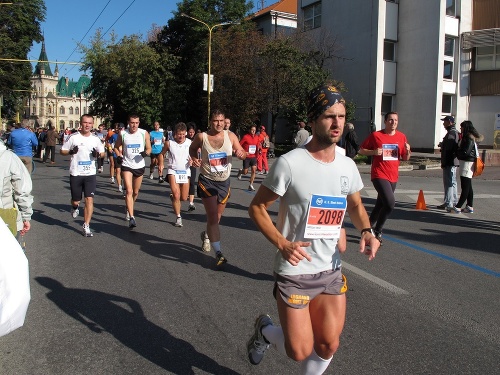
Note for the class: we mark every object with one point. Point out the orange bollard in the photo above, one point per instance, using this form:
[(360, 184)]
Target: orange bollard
[(421, 201)]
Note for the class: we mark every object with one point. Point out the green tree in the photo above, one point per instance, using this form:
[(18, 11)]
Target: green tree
[(127, 76), (188, 40), (238, 67), (20, 27)]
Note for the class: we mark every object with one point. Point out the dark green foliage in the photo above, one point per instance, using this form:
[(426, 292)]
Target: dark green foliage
[(20, 27)]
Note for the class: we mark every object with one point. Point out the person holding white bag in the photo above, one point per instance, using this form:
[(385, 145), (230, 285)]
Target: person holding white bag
[(16, 204)]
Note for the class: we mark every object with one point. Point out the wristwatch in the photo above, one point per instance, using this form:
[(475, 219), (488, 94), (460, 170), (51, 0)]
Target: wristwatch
[(368, 230)]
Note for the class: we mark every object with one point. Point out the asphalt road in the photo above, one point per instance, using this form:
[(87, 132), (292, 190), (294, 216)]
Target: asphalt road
[(151, 302)]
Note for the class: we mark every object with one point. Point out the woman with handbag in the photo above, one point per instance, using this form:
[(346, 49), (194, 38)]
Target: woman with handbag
[(467, 153)]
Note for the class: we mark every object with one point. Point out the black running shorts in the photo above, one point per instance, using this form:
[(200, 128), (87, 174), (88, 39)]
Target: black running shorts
[(82, 184)]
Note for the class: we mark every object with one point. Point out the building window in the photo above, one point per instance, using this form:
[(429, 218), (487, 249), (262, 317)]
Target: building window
[(389, 50), (61, 124), (70, 110), (49, 109), (447, 104), (61, 110), (387, 103), (488, 58), (312, 16), (33, 112), (77, 124), (71, 124), (450, 8), (448, 70), (449, 46), (77, 111)]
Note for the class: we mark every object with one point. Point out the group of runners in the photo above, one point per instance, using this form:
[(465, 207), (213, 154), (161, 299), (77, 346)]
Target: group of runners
[(316, 185)]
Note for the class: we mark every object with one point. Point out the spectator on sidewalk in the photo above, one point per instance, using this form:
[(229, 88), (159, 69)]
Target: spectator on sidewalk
[(351, 143), (449, 163), (50, 144), (22, 141), (302, 135), (467, 154)]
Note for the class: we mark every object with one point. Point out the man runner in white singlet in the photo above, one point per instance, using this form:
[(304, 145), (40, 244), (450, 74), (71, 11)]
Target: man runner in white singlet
[(217, 146), (178, 171), (131, 147)]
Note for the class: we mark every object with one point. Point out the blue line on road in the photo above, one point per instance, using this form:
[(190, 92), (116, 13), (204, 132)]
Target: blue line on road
[(446, 257)]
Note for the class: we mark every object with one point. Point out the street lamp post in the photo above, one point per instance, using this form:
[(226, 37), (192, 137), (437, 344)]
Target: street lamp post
[(210, 28)]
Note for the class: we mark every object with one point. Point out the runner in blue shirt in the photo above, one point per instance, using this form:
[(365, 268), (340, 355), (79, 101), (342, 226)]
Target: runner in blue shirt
[(157, 140)]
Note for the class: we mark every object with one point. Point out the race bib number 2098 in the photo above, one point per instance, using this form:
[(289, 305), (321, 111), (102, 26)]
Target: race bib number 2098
[(325, 216)]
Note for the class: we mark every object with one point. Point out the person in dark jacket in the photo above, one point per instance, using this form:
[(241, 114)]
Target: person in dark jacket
[(466, 154), (449, 163), (50, 144), (351, 141)]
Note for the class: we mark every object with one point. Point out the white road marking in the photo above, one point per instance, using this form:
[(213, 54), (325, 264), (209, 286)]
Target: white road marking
[(373, 279)]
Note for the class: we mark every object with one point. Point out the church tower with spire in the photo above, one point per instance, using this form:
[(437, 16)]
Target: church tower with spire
[(56, 100)]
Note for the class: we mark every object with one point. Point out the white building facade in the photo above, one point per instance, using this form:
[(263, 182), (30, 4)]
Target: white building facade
[(407, 56)]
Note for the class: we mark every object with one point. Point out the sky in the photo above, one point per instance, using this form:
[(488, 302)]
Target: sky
[(68, 22)]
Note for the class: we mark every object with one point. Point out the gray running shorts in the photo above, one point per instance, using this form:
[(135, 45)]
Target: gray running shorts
[(298, 290)]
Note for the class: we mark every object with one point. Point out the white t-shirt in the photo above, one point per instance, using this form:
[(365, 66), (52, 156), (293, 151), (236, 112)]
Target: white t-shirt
[(178, 161), (83, 163), (302, 181)]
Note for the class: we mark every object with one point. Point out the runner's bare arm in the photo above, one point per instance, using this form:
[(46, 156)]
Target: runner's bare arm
[(166, 147), (237, 149), (293, 252), (368, 244), (193, 150), (118, 146), (147, 147)]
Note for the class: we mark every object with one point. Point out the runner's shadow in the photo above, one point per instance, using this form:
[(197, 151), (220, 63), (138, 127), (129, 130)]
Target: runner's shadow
[(124, 319), (183, 252)]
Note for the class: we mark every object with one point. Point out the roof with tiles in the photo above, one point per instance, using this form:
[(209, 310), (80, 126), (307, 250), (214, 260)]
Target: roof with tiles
[(285, 6), (68, 88)]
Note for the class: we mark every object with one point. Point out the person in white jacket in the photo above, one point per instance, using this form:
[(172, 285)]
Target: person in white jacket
[(15, 188)]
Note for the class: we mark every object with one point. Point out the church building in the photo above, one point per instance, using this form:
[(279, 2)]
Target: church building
[(56, 100)]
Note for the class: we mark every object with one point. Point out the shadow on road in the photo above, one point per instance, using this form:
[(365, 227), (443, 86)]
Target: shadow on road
[(124, 319)]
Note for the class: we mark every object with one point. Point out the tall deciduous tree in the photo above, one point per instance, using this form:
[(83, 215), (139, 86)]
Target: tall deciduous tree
[(237, 69), (188, 40), (19, 28), (127, 76)]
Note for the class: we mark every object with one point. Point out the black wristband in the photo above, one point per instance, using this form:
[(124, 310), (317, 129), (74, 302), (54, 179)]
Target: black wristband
[(367, 230)]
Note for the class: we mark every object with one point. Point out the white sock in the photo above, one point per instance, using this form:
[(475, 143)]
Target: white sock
[(274, 335), (216, 246), (314, 364)]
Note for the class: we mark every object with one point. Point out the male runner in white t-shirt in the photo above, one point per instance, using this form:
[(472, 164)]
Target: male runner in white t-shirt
[(316, 186), (84, 148)]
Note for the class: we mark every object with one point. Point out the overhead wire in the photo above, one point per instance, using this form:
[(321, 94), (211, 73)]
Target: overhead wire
[(109, 28), (90, 28)]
